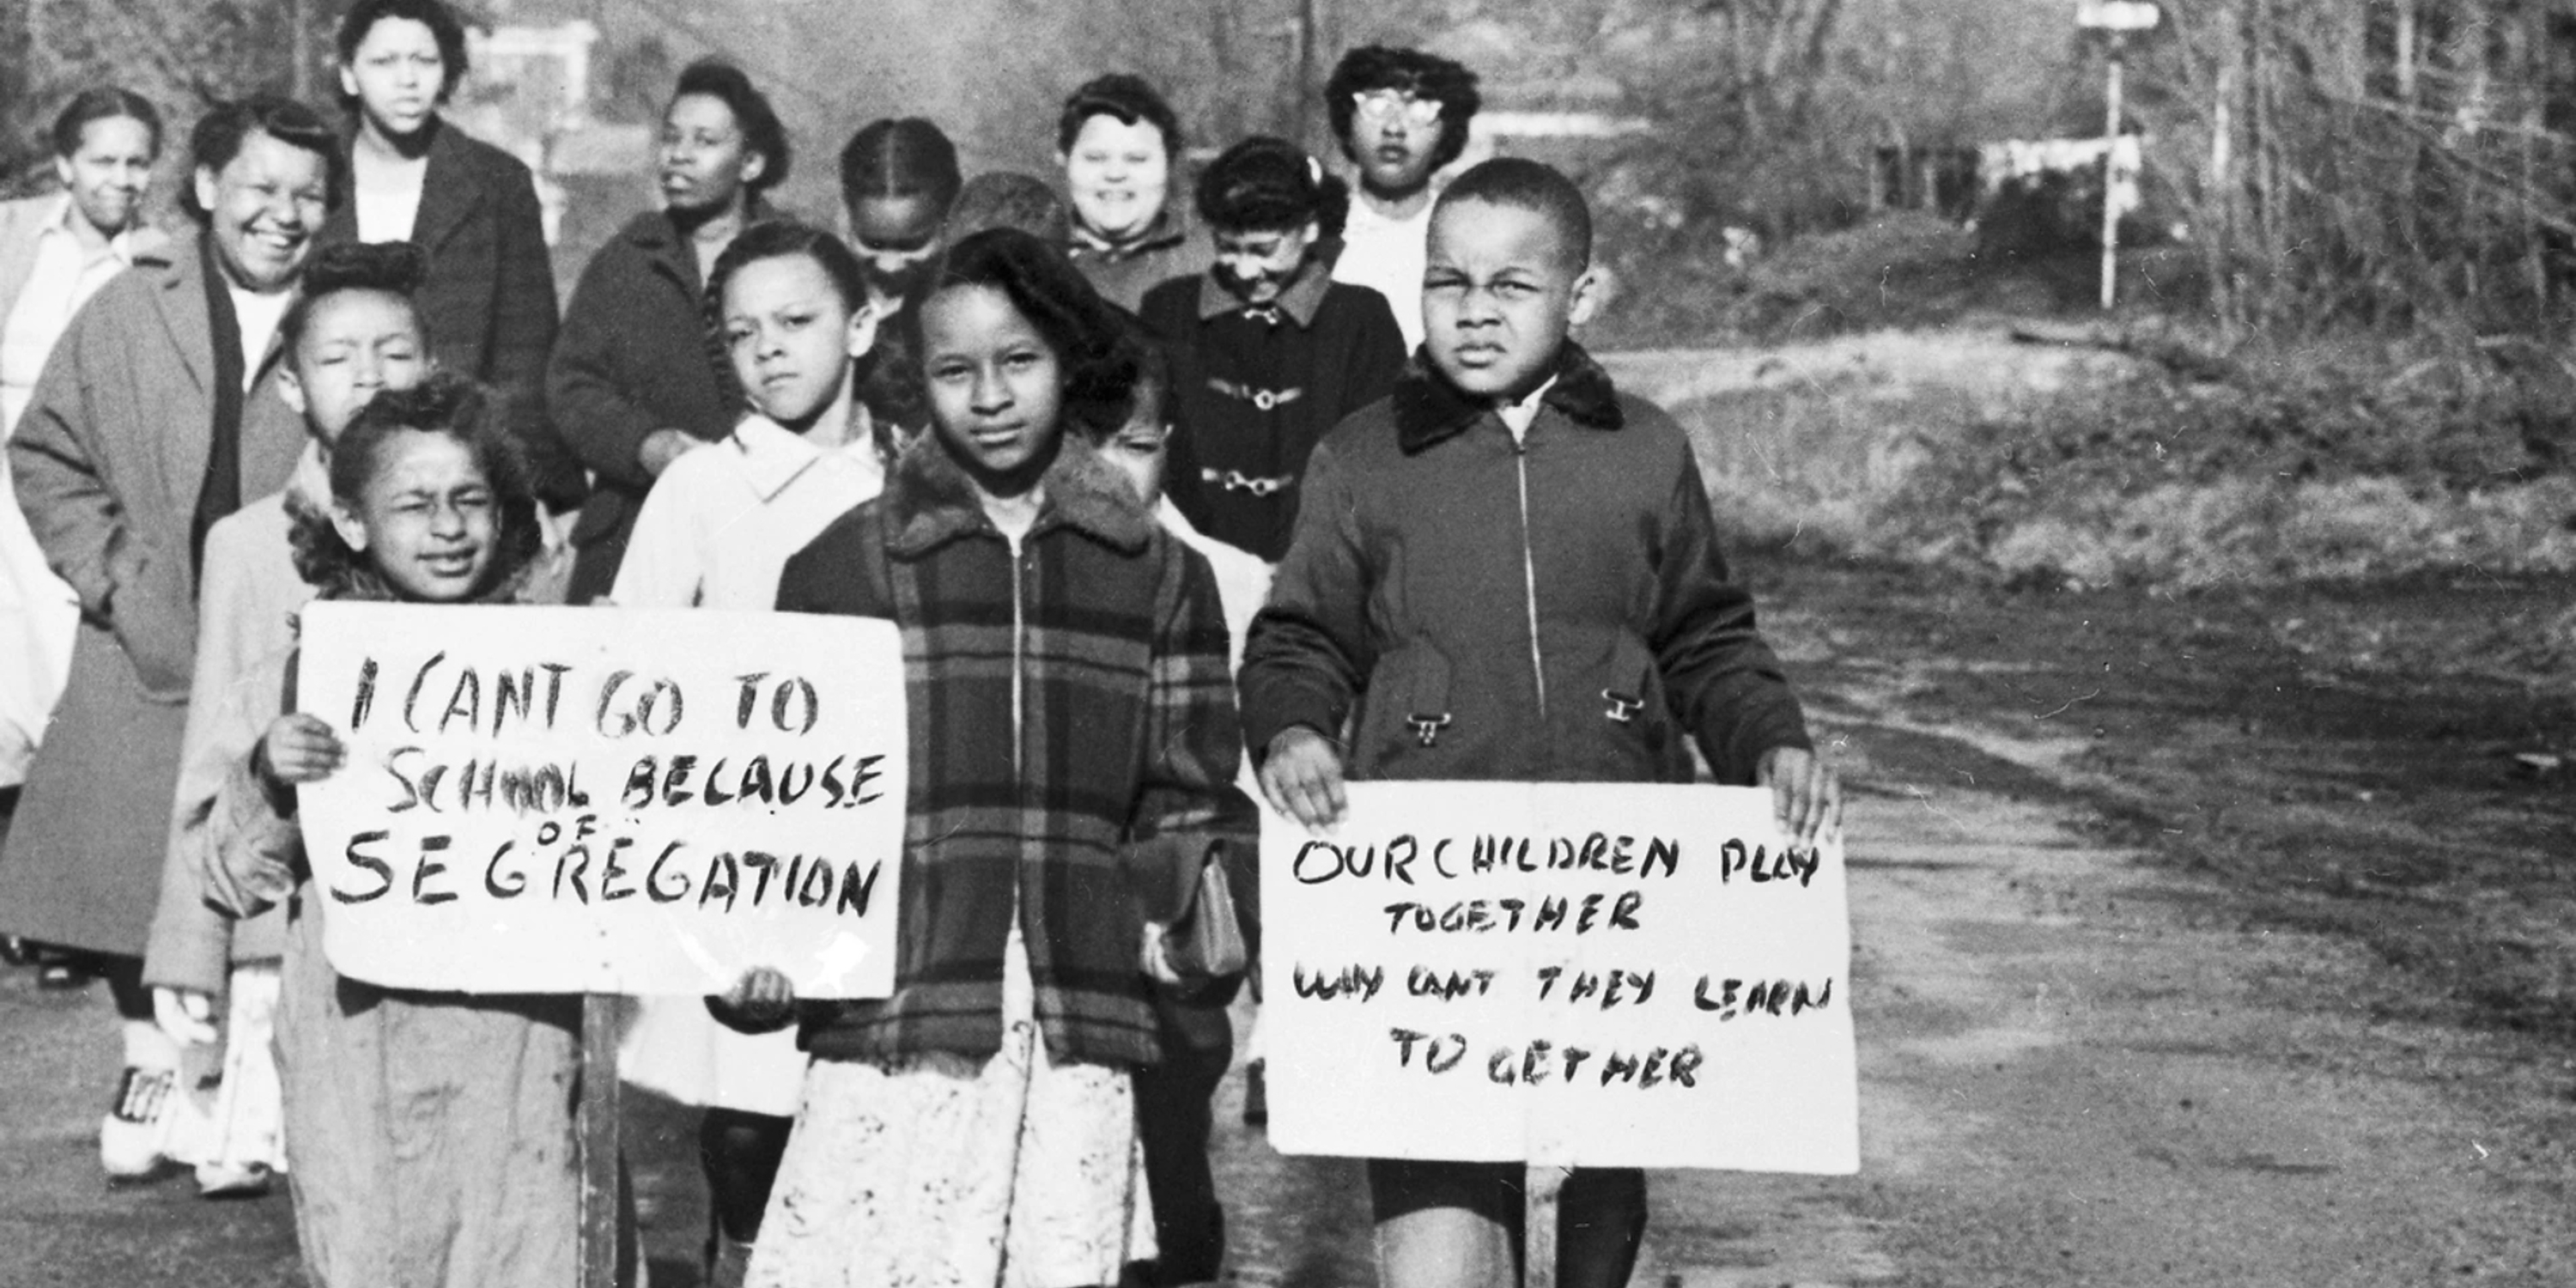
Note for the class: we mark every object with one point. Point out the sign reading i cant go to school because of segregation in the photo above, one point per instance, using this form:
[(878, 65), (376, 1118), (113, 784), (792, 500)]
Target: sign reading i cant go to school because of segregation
[(558, 800), (1595, 974)]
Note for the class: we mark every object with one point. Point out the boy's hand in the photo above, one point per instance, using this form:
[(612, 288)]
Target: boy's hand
[(1806, 795), (761, 999), (187, 1015), (1302, 778), (300, 748)]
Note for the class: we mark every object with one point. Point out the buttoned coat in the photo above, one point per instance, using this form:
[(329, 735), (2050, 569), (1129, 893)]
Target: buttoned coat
[(108, 462)]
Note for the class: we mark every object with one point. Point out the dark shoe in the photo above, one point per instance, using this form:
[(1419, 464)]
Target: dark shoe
[(1256, 1094), (62, 977), (16, 952)]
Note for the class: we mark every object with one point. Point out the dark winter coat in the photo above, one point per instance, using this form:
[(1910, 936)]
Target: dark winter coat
[(635, 356), (489, 300), (1254, 391), (1554, 611), (1117, 764)]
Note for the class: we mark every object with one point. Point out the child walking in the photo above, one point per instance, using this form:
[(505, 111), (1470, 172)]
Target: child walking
[(1268, 352), (428, 1135), (1508, 571), (792, 309), (1072, 742)]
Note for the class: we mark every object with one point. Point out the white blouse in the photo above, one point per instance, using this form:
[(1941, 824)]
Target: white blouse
[(721, 522)]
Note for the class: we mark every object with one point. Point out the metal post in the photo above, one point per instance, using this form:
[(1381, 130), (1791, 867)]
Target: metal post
[(1542, 1184), (2110, 210)]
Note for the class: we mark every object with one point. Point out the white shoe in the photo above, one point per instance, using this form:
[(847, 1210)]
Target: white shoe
[(233, 1180), (131, 1137)]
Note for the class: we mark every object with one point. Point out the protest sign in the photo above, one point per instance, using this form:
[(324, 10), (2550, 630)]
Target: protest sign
[(1596, 974), (544, 800)]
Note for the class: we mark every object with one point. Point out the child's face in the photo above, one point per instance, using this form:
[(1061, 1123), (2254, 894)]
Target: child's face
[(356, 344), (428, 519), (1117, 174), (398, 76), (897, 239), (996, 386), (1139, 449), (1258, 265), (791, 337), (1499, 295)]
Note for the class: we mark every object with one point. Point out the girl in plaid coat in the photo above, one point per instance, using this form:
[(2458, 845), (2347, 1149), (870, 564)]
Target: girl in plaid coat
[(1073, 739)]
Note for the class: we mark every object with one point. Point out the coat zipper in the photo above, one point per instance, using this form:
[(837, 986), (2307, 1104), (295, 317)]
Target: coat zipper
[(1529, 575), (1019, 677)]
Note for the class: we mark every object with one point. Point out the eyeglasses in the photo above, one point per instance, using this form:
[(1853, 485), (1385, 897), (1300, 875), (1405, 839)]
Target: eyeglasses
[(1379, 106)]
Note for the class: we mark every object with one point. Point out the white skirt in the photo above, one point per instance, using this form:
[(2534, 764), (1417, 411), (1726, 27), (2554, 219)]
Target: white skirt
[(945, 1171)]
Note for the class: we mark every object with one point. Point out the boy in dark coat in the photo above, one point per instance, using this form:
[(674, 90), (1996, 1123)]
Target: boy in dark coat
[(1507, 571), (1268, 352)]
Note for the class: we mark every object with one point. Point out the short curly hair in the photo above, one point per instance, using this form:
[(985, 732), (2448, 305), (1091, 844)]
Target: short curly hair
[(762, 131), (102, 103), (1125, 99), (447, 404), (1062, 307), (443, 28), (221, 132), (1427, 76)]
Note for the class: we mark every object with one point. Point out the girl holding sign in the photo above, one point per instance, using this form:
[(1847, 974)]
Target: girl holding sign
[(1072, 736), (792, 309), (429, 1136)]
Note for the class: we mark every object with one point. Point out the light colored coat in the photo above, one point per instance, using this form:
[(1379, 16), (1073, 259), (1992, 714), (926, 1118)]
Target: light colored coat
[(247, 599), (37, 616), (108, 462)]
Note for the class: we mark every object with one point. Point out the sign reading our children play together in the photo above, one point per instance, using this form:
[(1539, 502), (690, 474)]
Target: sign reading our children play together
[(1598, 974), (560, 800)]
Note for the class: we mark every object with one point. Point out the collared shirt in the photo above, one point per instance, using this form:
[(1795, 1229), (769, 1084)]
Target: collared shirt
[(722, 521), (1388, 256), (66, 273), (1518, 415)]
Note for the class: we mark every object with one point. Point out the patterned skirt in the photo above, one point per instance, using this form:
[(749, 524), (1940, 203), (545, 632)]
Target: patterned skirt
[(946, 1171)]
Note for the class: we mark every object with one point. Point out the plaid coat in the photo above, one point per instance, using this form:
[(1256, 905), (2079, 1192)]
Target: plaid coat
[(1073, 794)]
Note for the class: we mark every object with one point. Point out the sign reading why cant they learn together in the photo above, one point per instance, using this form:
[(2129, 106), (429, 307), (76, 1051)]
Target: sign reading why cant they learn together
[(555, 800), (1600, 974)]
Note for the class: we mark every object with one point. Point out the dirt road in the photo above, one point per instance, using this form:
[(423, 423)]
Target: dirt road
[(2211, 941)]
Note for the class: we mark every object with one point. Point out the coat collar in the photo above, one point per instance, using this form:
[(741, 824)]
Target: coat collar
[(450, 189), (1170, 228), (179, 278), (929, 500), (659, 240), (1429, 409), (774, 456), (1300, 301)]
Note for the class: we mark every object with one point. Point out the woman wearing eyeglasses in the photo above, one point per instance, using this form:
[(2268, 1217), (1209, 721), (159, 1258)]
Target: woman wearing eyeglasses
[(1401, 115)]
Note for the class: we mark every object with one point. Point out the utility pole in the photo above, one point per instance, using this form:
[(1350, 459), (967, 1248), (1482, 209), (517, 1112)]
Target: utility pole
[(2114, 21)]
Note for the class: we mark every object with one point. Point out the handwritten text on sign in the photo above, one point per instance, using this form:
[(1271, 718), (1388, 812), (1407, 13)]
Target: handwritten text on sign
[(1614, 975), (605, 800)]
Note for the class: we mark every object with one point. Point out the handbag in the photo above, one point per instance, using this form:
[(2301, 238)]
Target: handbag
[(1206, 940)]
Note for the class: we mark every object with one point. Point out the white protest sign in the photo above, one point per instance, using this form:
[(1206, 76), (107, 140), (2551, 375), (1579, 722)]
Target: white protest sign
[(596, 800), (1598, 974)]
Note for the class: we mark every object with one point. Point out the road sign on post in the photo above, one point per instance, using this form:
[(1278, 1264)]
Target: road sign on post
[(2115, 21)]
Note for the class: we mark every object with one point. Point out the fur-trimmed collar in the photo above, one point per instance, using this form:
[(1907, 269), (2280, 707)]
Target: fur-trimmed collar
[(1429, 409), (930, 501)]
